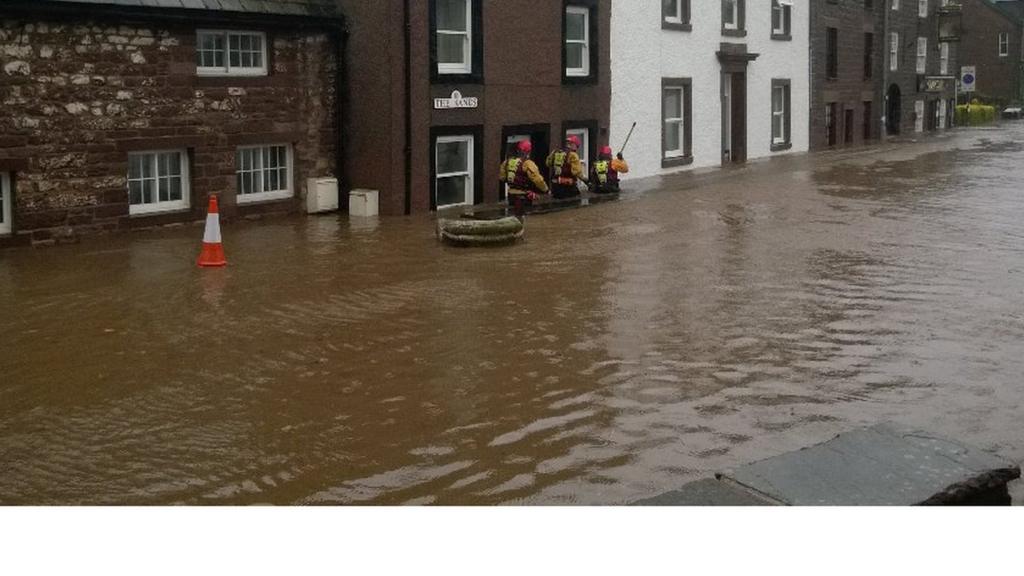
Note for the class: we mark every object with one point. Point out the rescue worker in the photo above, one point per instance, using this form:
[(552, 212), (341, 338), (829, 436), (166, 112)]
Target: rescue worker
[(523, 178), (566, 170), (604, 176)]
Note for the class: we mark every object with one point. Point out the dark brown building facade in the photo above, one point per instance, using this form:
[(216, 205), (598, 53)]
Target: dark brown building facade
[(117, 115), (846, 72), (921, 64), (992, 44), (438, 89)]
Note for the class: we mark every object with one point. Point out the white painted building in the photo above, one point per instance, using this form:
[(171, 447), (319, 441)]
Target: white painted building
[(680, 68)]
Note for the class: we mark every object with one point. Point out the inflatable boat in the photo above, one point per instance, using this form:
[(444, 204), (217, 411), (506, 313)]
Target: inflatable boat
[(466, 232)]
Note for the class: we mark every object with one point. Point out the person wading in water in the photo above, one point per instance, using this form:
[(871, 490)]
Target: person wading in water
[(604, 176), (566, 169), (523, 178)]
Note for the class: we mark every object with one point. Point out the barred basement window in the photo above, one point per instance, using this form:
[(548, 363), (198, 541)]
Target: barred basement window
[(264, 173), (231, 53), (157, 182), (5, 203)]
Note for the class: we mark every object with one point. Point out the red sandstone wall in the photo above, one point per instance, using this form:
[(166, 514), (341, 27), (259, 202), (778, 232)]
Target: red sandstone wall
[(78, 97)]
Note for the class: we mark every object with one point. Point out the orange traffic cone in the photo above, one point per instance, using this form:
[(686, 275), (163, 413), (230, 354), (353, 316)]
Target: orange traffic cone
[(213, 250)]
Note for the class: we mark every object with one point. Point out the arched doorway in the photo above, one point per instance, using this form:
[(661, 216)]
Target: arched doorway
[(893, 110)]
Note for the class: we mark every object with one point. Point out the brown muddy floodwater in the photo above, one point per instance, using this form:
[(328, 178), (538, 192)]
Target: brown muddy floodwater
[(622, 351)]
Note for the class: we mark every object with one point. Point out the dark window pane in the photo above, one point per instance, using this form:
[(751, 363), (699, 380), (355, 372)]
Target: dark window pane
[(135, 192), (451, 15), (452, 157), (451, 190)]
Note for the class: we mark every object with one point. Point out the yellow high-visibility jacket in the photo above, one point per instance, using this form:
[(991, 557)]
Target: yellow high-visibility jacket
[(574, 162), (532, 172)]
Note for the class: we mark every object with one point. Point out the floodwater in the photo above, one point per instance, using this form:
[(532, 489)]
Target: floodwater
[(624, 349)]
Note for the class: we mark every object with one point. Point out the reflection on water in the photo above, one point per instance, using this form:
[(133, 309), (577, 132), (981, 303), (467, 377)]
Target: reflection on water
[(621, 351)]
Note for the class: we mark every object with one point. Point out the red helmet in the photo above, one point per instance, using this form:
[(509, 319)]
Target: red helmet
[(524, 146), (573, 140), (606, 150)]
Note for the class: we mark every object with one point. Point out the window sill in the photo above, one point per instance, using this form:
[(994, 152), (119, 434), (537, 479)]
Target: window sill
[(262, 198), (154, 213), (676, 26), (783, 37), (255, 73), (676, 161), (779, 147), (734, 33)]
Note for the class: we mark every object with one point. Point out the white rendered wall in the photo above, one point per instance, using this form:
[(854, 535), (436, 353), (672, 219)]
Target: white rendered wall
[(642, 54)]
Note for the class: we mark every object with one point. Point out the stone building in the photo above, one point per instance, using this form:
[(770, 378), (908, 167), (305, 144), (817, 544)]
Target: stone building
[(450, 84), (120, 114), (846, 72), (921, 64), (708, 82), (992, 44)]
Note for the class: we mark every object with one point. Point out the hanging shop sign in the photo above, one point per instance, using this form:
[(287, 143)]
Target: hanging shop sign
[(456, 100), (937, 84)]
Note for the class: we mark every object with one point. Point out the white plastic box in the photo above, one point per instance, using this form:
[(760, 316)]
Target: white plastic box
[(363, 203), (321, 195)]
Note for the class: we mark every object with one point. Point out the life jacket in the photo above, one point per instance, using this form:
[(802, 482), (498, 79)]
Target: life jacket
[(605, 173), (561, 168), (516, 175)]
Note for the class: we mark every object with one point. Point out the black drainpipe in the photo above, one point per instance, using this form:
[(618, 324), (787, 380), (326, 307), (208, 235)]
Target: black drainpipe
[(408, 109), (341, 112)]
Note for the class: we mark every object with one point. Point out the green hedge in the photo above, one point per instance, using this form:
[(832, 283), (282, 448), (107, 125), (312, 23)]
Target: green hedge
[(979, 114)]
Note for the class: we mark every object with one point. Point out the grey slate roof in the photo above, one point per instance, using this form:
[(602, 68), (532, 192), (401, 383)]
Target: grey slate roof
[(313, 8)]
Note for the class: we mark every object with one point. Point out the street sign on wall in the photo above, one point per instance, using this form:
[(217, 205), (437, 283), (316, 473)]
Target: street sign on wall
[(967, 78)]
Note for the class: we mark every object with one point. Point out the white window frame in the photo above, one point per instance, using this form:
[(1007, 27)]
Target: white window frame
[(1004, 44), (895, 5), (779, 114), (922, 8), (677, 16), (6, 212), (228, 69), (943, 109), (735, 24), (467, 174), (922, 55), (894, 51), (944, 58), (466, 67), (265, 195), (584, 151), (158, 206), (585, 70), (680, 120), (919, 112)]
